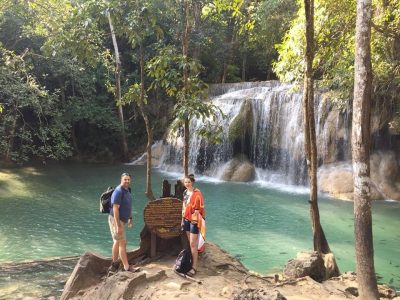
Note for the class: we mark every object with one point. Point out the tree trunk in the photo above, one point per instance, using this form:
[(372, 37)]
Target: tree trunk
[(185, 52), (186, 149), (10, 143), (72, 123), (197, 11), (186, 36), (230, 40), (319, 239), (364, 247), (244, 63), (118, 89), (74, 141), (149, 129)]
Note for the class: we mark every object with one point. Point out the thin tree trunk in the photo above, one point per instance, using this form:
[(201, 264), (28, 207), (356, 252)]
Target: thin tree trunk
[(361, 135), (10, 143), (186, 148), (75, 141), (118, 88), (229, 52), (72, 123), (185, 52), (244, 63), (149, 130), (319, 239), (197, 10)]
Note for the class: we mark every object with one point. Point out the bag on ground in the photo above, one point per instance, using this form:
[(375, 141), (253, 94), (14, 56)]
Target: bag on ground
[(183, 262), (105, 200)]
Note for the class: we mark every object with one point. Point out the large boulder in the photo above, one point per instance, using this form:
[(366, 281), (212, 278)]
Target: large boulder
[(319, 267), (306, 264), (88, 271), (91, 271), (239, 169)]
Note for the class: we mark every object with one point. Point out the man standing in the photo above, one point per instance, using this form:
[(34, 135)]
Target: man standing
[(120, 215)]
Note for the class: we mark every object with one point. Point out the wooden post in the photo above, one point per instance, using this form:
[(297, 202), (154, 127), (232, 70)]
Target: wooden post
[(179, 189), (166, 189), (153, 245)]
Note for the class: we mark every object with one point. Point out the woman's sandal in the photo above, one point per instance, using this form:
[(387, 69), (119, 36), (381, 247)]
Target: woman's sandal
[(132, 268), (192, 272)]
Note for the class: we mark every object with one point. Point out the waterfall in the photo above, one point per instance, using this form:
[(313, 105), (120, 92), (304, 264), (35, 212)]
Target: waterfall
[(276, 144)]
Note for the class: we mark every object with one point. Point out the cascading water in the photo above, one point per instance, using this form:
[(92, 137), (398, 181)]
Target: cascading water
[(275, 145)]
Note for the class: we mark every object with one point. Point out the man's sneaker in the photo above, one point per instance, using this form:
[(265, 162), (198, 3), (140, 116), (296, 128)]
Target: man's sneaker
[(113, 268)]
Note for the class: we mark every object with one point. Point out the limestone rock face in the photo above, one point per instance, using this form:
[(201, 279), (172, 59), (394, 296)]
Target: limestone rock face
[(337, 182), (88, 271), (239, 169), (333, 145), (337, 179), (242, 124), (385, 175), (241, 129), (157, 150)]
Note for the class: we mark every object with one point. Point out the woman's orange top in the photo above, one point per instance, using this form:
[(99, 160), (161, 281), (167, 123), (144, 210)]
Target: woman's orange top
[(196, 203)]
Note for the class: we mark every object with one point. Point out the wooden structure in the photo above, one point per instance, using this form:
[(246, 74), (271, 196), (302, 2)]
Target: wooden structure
[(163, 216)]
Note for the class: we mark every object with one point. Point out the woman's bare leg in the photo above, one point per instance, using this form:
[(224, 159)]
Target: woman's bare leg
[(193, 239)]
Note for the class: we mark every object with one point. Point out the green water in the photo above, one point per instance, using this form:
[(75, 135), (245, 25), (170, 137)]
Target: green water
[(53, 211)]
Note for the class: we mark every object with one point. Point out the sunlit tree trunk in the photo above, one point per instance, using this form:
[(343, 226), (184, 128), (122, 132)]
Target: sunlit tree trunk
[(364, 247), (149, 129), (118, 88), (319, 239), (185, 52)]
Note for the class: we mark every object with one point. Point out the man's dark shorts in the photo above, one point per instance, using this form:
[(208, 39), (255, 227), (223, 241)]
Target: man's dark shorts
[(187, 226)]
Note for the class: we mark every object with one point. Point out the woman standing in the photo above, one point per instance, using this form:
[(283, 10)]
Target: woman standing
[(193, 216)]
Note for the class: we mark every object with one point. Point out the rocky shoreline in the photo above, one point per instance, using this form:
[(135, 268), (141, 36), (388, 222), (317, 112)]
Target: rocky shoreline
[(220, 276), (38, 279)]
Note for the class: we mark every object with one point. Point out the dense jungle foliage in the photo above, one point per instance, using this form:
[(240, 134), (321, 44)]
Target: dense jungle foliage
[(59, 73)]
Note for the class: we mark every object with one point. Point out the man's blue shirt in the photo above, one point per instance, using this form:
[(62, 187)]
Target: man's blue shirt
[(123, 198)]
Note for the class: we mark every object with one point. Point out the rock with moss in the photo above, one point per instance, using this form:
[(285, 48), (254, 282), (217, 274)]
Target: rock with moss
[(242, 125)]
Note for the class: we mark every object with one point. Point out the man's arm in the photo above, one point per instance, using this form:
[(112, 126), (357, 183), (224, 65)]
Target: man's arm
[(130, 221)]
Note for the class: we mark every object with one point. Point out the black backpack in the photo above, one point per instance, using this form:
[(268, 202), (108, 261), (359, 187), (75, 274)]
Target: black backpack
[(105, 200), (183, 262)]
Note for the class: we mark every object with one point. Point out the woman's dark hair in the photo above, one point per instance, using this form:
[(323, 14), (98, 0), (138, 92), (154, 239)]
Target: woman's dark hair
[(191, 177)]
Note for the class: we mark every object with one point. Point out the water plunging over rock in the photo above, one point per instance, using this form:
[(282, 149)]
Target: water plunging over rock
[(263, 128), (264, 124)]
